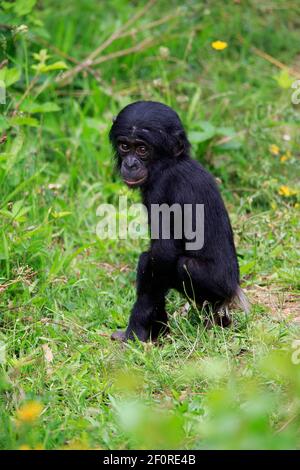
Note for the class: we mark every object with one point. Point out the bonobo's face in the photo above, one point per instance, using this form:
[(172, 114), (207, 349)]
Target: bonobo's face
[(134, 154), (147, 137)]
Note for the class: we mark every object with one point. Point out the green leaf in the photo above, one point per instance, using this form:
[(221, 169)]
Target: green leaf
[(7, 5), (24, 121), (41, 56), (4, 250), (19, 211), (206, 126), (59, 215), (206, 132), (32, 108), (10, 76), (284, 79), (198, 137), (23, 7), (4, 124), (247, 268), (60, 64), (43, 68), (226, 131)]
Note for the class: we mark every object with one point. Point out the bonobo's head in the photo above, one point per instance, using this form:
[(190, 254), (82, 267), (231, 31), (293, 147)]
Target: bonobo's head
[(143, 134)]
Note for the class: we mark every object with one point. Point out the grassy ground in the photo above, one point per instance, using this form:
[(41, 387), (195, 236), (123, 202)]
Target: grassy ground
[(63, 291)]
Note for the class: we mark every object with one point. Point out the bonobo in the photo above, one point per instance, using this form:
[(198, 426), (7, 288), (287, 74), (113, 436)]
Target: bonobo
[(153, 153)]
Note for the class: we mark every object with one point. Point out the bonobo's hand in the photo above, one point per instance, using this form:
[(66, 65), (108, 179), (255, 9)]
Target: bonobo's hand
[(139, 333), (142, 334), (119, 336)]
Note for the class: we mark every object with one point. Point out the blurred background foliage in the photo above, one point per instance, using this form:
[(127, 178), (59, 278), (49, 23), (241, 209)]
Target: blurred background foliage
[(66, 68)]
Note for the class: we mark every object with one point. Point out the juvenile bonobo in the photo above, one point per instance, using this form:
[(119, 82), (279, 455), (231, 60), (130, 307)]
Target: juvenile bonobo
[(153, 153)]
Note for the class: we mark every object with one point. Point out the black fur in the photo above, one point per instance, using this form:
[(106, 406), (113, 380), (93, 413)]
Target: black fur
[(209, 274)]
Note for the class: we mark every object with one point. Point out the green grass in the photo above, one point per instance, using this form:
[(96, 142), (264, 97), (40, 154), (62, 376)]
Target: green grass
[(63, 290)]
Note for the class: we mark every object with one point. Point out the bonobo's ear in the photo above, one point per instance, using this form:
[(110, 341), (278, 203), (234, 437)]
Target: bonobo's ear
[(180, 143)]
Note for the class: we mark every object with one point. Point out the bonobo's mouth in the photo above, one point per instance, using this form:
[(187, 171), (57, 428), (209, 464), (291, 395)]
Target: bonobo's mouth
[(135, 182)]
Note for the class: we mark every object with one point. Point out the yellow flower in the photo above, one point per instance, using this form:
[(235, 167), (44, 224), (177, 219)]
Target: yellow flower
[(39, 447), (219, 45), (24, 447), (285, 157), (286, 191), (29, 412), (274, 149)]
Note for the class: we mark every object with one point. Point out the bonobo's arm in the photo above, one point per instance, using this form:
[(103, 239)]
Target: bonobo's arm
[(155, 272)]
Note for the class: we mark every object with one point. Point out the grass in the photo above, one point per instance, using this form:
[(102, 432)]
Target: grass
[(63, 290)]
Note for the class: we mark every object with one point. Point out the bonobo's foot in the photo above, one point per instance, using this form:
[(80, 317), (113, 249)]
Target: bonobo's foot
[(160, 327), (218, 319), (224, 320)]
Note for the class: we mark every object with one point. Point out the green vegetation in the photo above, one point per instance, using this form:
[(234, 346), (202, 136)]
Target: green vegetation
[(63, 383)]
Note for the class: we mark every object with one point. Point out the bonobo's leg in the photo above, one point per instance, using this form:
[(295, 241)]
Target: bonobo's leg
[(202, 281), (148, 318)]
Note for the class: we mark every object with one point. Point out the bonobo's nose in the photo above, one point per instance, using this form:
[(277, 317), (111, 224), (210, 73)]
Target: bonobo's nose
[(131, 163)]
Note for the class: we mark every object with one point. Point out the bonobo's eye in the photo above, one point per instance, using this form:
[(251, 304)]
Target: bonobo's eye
[(142, 150), (124, 147)]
